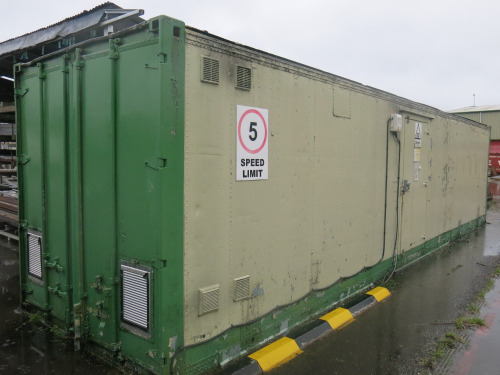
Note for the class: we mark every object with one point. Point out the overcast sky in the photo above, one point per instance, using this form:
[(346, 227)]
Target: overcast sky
[(437, 52)]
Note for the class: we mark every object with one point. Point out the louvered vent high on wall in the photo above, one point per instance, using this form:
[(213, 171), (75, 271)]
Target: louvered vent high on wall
[(243, 78), (210, 70), (135, 296), (35, 254)]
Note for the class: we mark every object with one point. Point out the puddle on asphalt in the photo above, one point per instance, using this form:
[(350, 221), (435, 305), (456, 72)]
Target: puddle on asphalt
[(395, 336), (480, 356), (492, 238), (26, 348), (494, 184)]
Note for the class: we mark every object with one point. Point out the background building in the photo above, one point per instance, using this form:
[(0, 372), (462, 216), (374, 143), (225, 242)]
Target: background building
[(489, 115)]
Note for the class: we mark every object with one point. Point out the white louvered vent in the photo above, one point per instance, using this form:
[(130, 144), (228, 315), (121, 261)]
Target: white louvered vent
[(241, 288), (209, 299), (135, 296), (210, 70), (35, 254), (243, 77)]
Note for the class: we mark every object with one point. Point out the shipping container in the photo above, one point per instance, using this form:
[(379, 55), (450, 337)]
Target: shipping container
[(184, 199)]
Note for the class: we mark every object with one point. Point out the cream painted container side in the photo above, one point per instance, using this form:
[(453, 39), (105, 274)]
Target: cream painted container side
[(320, 215)]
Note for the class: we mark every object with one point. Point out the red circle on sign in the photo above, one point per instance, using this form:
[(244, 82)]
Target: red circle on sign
[(239, 131)]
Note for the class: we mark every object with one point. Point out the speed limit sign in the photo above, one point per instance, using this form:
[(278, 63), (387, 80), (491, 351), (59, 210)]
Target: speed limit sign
[(252, 134)]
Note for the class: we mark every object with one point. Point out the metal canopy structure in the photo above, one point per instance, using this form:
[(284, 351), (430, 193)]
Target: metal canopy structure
[(102, 20), (105, 19)]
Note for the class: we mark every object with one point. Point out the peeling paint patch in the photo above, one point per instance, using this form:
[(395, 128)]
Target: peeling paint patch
[(276, 313), (284, 326), (232, 353), (171, 343), (445, 179), (258, 291)]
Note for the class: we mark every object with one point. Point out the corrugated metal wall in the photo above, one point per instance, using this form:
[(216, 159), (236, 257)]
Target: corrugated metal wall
[(490, 118)]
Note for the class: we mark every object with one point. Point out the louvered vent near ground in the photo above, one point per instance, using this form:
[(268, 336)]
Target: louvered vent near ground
[(243, 78), (35, 254), (241, 288), (210, 70), (135, 296)]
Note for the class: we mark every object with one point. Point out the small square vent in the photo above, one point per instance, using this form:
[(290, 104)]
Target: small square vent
[(243, 78), (35, 254), (210, 70), (241, 288), (135, 296), (209, 299)]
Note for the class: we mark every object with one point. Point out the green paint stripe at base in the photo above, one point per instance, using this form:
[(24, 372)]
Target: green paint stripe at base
[(239, 340), (417, 253)]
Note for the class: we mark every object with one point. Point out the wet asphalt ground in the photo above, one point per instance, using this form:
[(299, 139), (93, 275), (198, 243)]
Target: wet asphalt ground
[(397, 336), (400, 335), (480, 357), (27, 347)]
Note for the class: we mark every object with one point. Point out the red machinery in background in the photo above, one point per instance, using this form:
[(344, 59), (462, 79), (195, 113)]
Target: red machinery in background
[(494, 161)]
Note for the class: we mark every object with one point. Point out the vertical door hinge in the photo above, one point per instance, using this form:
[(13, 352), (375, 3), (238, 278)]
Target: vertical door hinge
[(41, 72), (54, 265), (23, 159), (26, 289), (78, 315), (65, 68), (79, 62), (113, 45), (162, 58), (18, 69), (56, 289)]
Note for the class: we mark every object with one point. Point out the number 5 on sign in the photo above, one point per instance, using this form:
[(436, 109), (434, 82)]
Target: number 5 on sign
[(252, 130)]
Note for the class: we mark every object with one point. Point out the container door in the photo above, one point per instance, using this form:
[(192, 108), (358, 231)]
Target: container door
[(149, 191), (415, 146), (131, 161), (95, 98), (140, 166), (42, 123)]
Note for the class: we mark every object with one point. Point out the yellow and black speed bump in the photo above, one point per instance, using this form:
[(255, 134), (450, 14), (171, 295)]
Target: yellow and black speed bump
[(313, 335), (285, 349)]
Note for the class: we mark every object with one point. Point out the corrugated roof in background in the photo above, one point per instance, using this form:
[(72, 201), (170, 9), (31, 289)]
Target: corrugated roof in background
[(66, 27), (482, 108)]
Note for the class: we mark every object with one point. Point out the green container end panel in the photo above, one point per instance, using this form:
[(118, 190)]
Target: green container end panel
[(101, 190)]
